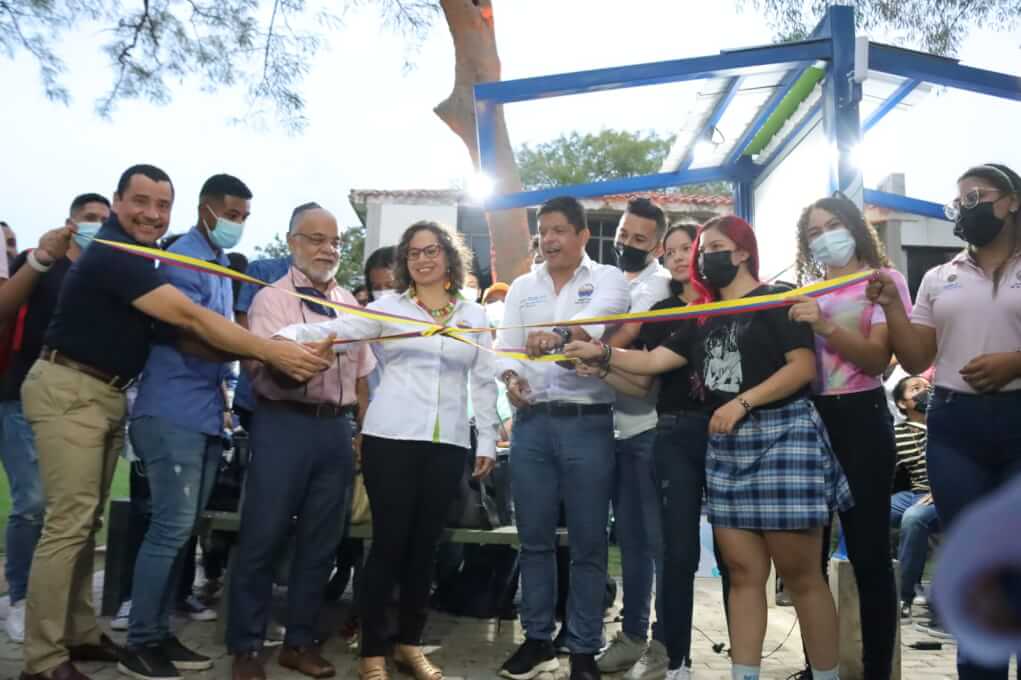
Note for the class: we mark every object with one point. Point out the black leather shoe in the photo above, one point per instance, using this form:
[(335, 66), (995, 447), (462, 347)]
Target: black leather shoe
[(105, 650)]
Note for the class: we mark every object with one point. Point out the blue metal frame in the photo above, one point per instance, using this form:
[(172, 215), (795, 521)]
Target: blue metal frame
[(726, 64), (840, 105), (899, 95), (904, 204), (833, 41), (626, 185), (941, 71), (764, 113)]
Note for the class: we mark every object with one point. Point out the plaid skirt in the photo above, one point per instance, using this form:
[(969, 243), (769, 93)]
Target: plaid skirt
[(775, 472)]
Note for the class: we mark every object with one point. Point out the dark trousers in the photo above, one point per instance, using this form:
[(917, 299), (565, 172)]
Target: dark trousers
[(974, 448), (301, 466), (861, 431), (410, 485), (680, 471)]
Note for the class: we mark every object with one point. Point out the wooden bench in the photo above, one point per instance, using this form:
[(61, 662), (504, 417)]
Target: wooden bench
[(231, 522)]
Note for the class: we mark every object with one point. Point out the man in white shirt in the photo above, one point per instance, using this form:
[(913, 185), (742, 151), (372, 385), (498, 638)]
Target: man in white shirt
[(562, 443), (635, 496)]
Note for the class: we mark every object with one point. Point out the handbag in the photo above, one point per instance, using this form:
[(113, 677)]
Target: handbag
[(360, 511)]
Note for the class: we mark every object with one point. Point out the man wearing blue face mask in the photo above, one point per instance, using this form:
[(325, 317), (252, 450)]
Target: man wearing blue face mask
[(29, 300), (176, 430)]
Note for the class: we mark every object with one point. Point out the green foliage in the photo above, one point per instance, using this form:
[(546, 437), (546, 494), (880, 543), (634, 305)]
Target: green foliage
[(937, 26), (352, 254), (574, 158)]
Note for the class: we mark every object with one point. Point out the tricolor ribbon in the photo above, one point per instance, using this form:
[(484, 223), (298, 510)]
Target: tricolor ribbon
[(429, 329)]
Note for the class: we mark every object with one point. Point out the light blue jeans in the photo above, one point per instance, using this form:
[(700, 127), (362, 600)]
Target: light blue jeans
[(569, 458), (181, 467), (640, 536), (28, 506), (917, 523)]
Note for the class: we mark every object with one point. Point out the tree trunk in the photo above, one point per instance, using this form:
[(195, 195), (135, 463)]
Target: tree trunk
[(476, 61)]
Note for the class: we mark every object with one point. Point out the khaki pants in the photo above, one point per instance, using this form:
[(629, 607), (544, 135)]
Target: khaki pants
[(78, 423)]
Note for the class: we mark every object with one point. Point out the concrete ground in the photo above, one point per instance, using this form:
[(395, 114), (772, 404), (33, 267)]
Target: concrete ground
[(472, 649)]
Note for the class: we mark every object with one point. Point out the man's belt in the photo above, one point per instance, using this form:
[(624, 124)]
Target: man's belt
[(563, 409), (114, 381), (673, 417), (321, 410)]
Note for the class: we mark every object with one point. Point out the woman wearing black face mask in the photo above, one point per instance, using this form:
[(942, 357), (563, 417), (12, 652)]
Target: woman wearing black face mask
[(773, 480), (967, 318)]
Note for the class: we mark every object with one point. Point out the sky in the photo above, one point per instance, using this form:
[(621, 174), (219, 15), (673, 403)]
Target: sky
[(371, 124)]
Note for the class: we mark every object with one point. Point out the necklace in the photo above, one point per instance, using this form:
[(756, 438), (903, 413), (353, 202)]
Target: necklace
[(444, 311)]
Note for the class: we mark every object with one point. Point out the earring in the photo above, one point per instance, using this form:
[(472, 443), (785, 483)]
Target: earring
[(446, 286)]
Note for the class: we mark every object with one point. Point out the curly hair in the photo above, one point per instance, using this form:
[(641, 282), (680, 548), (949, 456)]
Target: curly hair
[(868, 247), (457, 254)]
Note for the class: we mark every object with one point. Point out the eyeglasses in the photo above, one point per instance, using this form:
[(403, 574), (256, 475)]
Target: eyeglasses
[(318, 240), (971, 199), (322, 310), (429, 252)]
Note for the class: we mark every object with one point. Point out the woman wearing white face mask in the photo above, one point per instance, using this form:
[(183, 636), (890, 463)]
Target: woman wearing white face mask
[(852, 349)]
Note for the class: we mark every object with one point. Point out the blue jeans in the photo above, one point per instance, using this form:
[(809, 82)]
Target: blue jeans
[(639, 534), (25, 523), (569, 458), (181, 468), (679, 453), (974, 448), (917, 523)]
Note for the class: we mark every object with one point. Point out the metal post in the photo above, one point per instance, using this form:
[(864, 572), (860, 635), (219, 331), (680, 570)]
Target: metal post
[(841, 95)]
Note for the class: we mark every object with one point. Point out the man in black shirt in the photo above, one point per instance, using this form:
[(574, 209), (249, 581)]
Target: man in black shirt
[(30, 298), (73, 397)]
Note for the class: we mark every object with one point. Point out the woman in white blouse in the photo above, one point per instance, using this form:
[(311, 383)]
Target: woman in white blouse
[(416, 434)]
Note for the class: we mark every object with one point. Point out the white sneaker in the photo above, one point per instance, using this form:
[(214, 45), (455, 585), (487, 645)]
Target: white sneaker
[(120, 622), (652, 666), (623, 653), (682, 673), (920, 601), (15, 623)]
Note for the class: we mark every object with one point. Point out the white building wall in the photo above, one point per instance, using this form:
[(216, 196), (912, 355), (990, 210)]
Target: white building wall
[(385, 222)]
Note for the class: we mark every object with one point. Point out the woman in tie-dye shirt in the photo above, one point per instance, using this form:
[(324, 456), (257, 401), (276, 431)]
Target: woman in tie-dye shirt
[(852, 350)]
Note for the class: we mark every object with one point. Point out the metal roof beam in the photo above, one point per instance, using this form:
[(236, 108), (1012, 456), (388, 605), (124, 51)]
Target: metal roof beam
[(905, 204), (765, 112), (726, 64), (942, 71), (523, 199), (899, 95)]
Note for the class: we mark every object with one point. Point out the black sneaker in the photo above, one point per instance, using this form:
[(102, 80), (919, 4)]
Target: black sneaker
[(532, 658), (183, 658), (584, 667), (147, 662)]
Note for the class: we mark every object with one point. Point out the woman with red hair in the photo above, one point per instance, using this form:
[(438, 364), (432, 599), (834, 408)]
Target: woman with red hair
[(773, 480)]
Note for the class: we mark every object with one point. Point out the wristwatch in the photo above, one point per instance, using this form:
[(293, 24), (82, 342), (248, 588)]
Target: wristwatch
[(565, 335)]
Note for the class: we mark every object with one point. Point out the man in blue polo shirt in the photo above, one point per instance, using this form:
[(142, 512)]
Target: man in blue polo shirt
[(73, 397), (176, 429)]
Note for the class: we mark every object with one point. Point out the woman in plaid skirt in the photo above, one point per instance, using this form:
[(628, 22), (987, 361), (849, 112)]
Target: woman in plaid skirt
[(773, 480)]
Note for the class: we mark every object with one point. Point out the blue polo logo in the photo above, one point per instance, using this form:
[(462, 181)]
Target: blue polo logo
[(586, 291)]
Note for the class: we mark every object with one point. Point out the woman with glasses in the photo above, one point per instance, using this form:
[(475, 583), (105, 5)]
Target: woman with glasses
[(416, 434), (967, 318), (852, 349), (772, 479)]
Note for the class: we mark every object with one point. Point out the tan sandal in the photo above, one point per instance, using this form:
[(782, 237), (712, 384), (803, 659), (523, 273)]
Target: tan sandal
[(373, 668), (411, 661)]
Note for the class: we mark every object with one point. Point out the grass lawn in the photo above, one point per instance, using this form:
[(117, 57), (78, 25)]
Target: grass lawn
[(119, 489)]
